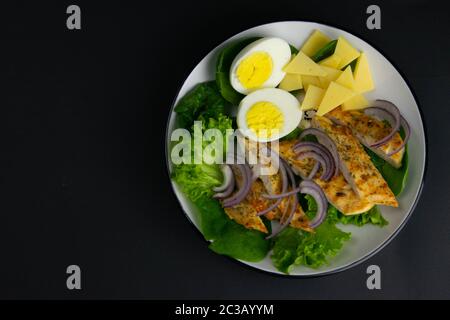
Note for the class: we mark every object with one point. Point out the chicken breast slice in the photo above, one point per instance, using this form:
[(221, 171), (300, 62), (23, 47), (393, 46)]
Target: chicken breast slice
[(356, 165), (369, 130), (337, 190)]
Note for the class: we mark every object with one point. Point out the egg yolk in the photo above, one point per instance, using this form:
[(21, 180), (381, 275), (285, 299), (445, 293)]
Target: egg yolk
[(254, 70), (265, 119)]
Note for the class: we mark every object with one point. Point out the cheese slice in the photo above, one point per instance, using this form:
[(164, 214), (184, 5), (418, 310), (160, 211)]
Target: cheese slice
[(357, 102), (346, 52), (332, 75), (314, 43), (303, 65), (363, 76), (310, 80), (291, 82), (332, 61), (334, 97), (313, 97), (346, 79)]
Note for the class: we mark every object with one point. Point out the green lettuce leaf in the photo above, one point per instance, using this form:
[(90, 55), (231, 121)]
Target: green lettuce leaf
[(296, 247), (372, 216), (197, 180)]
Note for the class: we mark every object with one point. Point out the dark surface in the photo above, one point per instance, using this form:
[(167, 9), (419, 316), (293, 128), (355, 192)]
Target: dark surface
[(83, 177)]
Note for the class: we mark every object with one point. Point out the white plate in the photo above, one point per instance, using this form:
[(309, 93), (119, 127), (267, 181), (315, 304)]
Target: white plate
[(390, 85)]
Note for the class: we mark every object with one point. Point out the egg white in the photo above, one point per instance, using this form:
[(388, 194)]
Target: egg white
[(280, 52), (288, 105)]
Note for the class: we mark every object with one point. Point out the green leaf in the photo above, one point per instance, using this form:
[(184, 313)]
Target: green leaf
[(294, 50), (325, 51), (204, 100), (224, 60), (292, 135), (395, 178), (197, 180), (296, 247), (372, 216), (228, 237)]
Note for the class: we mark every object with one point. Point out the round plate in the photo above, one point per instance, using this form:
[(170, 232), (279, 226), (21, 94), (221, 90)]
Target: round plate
[(390, 85)]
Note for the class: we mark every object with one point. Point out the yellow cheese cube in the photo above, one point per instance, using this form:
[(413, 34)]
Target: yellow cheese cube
[(332, 61), (346, 79), (313, 97), (357, 102), (334, 97), (303, 65), (314, 43), (346, 52), (332, 75), (363, 77), (291, 82), (310, 80)]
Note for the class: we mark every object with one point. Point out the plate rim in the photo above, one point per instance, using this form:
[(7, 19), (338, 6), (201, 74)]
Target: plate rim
[(375, 250)]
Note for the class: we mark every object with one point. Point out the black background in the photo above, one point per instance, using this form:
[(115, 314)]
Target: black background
[(82, 168)]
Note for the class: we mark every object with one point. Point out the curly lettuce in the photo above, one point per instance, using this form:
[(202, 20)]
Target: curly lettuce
[(295, 247)]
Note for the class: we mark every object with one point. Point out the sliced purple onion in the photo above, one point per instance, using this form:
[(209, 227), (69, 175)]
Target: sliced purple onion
[(385, 110), (314, 170), (293, 208), (226, 193), (285, 223), (284, 186), (311, 188), (281, 195), (228, 178), (325, 140), (246, 174), (319, 160), (323, 155), (407, 130)]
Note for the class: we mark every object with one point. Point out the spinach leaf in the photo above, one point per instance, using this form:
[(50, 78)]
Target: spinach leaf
[(294, 50), (325, 51), (204, 100), (224, 60), (228, 237)]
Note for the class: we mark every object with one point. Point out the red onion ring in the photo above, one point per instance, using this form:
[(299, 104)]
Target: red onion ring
[(325, 140), (228, 178), (314, 170), (407, 129), (245, 188), (227, 191), (284, 187), (393, 118), (311, 188), (293, 208), (319, 159), (322, 152), (281, 195)]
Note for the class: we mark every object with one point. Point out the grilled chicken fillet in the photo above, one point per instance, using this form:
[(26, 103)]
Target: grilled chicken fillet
[(369, 130), (356, 165)]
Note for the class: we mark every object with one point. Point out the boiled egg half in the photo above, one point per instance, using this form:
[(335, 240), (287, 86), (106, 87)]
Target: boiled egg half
[(260, 65), (268, 114)]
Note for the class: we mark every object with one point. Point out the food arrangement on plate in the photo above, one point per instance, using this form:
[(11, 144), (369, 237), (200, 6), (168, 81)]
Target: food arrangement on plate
[(338, 155)]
